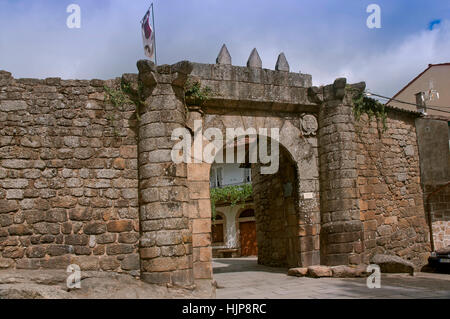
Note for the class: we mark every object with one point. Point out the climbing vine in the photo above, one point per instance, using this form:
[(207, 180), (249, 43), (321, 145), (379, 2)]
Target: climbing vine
[(196, 93), (236, 194), (365, 105)]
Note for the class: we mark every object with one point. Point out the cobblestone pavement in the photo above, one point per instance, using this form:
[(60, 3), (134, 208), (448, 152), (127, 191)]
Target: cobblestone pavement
[(243, 278)]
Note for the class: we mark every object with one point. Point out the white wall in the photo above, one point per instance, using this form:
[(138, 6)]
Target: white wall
[(232, 174)]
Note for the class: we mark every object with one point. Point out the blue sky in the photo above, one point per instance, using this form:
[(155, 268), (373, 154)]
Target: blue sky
[(325, 38)]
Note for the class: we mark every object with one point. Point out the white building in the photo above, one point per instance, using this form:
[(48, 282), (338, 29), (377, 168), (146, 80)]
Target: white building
[(234, 228)]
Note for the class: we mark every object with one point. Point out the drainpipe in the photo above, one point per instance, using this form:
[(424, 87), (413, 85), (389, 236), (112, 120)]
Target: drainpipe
[(428, 208)]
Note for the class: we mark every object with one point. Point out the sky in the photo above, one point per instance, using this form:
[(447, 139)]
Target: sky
[(325, 38)]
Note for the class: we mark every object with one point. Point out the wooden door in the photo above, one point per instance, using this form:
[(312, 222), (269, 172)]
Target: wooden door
[(247, 232)]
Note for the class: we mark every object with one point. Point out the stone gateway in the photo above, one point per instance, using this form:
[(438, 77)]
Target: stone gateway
[(87, 180)]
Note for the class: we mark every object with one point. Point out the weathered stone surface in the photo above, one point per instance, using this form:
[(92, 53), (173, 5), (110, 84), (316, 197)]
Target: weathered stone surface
[(130, 262), (392, 264), (319, 271), (12, 106), (224, 56), (298, 272), (51, 284), (7, 206), (94, 228), (344, 272), (69, 175)]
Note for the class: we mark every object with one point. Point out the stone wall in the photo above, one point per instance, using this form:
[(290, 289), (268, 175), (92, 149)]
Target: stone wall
[(433, 139), (439, 207), (78, 186), (277, 213), (390, 194), (341, 233), (68, 176)]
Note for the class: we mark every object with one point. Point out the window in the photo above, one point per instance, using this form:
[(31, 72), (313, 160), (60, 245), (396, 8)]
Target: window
[(215, 180)]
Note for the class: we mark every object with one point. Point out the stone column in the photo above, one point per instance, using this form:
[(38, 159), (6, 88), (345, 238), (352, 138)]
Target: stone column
[(166, 234), (341, 232)]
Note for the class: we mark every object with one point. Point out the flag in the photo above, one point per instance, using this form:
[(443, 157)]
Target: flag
[(148, 36)]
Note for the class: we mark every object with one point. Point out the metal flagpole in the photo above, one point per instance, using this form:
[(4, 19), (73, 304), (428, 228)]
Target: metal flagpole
[(154, 32)]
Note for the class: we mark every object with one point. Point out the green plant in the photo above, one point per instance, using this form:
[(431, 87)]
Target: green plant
[(373, 108), (121, 96), (236, 194), (196, 92)]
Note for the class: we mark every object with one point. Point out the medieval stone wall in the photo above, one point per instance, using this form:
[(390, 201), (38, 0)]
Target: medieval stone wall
[(390, 194), (277, 214), (439, 208), (68, 176)]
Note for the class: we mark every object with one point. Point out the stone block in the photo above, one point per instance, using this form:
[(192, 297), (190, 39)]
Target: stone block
[(86, 263), (319, 271), (202, 270), (119, 249), (298, 272), (109, 263), (150, 253), (13, 106), (119, 226), (201, 226), (94, 228)]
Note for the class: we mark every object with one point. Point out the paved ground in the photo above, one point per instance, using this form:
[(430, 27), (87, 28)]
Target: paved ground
[(243, 278)]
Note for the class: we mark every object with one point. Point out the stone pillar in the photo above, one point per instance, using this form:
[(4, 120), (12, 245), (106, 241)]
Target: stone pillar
[(341, 232), (166, 234)]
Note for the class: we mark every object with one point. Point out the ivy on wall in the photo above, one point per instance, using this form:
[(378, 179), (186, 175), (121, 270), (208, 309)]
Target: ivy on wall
[(363, 104), (121, 96), (236, 194), (195, 93)]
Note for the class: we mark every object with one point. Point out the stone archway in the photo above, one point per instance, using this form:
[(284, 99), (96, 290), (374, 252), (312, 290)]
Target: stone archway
[(175, 212), (296, 181)]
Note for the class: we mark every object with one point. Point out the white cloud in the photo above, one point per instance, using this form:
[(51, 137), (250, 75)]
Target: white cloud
[(386, 72)]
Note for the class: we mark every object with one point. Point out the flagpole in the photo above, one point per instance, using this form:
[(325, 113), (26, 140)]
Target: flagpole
[(154, 32)]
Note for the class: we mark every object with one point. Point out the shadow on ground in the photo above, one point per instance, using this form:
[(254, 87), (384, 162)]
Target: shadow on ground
[(229, 265)]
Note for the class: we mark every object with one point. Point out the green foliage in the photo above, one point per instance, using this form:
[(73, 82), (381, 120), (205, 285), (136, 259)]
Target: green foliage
[(121, 96), (373, 108), (195, 92), (233, 194)]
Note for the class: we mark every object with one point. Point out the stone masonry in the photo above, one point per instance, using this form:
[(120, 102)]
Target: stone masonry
[(68, 177), (85, 182)]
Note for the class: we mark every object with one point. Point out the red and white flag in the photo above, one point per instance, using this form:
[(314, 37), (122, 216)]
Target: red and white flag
[(148, 36)]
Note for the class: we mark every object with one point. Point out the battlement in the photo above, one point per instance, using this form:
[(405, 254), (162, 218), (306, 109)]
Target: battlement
[(238, 87)]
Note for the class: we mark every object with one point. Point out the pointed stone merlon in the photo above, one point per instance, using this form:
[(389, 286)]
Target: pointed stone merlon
[(224, 56), (282, 63), (254, 61)]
